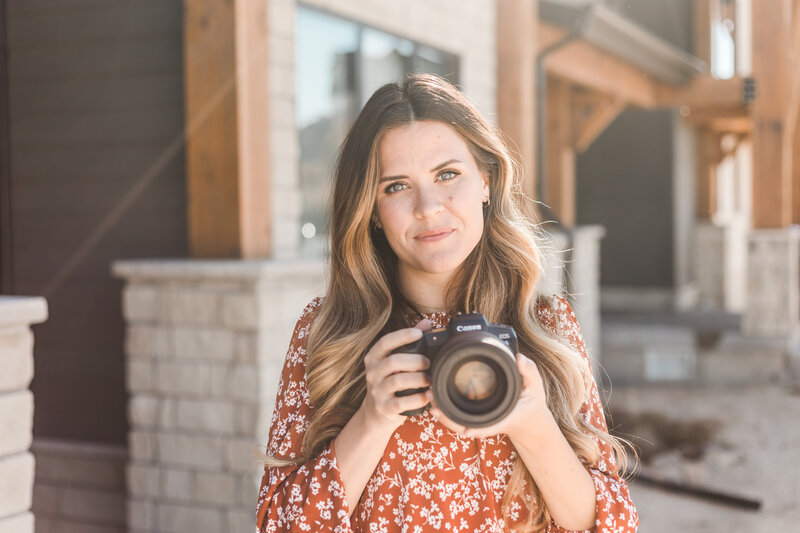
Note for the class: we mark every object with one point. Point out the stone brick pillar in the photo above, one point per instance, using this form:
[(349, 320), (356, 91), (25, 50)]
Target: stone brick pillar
[(205, 345), (16, 410), (584, 284), (773, 287), (720, 264)]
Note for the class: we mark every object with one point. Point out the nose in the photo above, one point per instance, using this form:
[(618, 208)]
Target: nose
[(427, 204)]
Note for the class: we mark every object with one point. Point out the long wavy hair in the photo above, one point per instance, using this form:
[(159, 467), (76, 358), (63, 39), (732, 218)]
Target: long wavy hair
[(363, 300)]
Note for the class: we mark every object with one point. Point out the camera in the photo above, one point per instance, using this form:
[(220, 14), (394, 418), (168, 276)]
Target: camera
[(474, 375)]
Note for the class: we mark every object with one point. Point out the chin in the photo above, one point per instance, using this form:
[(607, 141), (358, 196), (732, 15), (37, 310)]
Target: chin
[(441, 266)]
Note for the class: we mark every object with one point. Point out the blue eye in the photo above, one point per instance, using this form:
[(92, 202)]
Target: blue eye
[(394, 187), (448, 175)]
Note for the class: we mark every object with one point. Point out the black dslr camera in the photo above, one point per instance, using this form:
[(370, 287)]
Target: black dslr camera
[(474, 374)]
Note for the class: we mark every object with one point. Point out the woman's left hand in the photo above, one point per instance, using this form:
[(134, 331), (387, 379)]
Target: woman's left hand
[(529, 409)]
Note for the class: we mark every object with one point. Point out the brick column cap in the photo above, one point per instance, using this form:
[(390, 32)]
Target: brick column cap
[(248, 270), (22, 310)]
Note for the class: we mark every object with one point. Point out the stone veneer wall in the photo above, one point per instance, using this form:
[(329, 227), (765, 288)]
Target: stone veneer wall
[(205, 345), (79, 487), (16, 410), (773, 284)]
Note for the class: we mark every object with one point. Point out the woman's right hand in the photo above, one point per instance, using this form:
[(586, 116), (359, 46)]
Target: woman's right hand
[(387, 373)]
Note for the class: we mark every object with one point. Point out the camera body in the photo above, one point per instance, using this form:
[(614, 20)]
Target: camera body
[(474, 375)]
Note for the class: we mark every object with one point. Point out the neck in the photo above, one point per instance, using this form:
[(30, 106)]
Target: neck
[(425, 291)]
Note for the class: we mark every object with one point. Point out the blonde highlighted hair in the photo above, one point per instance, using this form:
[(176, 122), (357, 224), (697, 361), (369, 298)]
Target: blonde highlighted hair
[(363, 301)]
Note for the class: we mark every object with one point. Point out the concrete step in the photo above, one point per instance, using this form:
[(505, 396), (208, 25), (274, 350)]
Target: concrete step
[(706, 353)]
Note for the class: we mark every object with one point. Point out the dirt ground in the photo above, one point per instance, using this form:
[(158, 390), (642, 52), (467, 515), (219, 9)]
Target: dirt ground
[(753, 452)]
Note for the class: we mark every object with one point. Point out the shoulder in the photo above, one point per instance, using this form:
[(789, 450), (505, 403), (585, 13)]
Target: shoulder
[(311, 309), (307, 316), (557, 315), (553, 310)]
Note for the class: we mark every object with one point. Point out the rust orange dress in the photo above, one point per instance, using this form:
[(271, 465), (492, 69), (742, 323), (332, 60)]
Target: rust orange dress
[(429, 478)]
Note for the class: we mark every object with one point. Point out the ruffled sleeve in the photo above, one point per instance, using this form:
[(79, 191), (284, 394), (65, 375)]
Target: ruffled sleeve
[(299, 497), (615, 510)]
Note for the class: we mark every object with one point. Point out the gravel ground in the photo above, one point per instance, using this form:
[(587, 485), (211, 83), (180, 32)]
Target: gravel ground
[(754, 453)]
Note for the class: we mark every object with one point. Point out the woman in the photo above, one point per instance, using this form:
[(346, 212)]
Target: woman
[(425, 222)]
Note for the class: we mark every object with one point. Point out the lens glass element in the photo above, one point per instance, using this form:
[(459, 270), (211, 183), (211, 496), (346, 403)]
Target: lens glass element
[(475, 380)]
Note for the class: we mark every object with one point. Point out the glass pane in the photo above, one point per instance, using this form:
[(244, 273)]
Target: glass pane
[(385, 58), (325, 78)]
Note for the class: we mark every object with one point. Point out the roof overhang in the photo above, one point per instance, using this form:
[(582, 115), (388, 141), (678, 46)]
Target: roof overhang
[(618, 36)]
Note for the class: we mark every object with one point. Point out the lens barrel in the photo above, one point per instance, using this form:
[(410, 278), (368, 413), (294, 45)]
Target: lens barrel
[(475, 379)]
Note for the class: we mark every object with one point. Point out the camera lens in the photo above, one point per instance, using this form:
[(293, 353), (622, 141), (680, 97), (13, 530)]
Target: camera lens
[(475, 380)]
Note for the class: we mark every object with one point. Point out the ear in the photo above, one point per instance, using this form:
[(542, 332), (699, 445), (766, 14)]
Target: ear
[(486, 190)]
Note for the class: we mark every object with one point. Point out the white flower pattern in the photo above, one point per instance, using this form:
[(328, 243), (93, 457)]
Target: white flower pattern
[(429, 478)]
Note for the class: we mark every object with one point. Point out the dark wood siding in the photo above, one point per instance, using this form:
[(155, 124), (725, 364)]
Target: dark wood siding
[(97, 173)]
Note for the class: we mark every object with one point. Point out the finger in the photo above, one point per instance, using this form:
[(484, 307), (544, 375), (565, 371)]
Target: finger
[(402, 362), (401, 404), (424, 324), (403, 381), (391, 341)]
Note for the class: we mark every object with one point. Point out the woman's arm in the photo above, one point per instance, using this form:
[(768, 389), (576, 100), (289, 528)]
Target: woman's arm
[(362, 441), (565, 485), (321, 494), (299, 497)]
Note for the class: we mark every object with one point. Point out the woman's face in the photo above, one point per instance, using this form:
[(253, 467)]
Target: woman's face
[(430, 195)]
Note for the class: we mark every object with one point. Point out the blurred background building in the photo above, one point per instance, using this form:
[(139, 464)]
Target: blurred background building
[(164, 168)]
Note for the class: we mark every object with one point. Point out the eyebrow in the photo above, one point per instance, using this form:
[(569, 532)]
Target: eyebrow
[(434, 169)]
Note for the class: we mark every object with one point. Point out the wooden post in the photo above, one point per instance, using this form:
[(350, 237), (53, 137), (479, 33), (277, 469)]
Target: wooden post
[(772, 186), (709, 155), (560, 159), (701, 28), (796, 173), (517, 26), (227, 128), (792, 141), (705, 179)]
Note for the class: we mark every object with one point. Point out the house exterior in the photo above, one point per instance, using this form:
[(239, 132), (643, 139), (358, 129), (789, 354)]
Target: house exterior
[(164, 167)]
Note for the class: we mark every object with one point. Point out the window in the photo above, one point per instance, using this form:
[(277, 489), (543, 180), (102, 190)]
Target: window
[(340, 63)]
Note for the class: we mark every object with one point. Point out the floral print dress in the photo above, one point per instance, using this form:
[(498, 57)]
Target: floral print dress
[(429, 478)]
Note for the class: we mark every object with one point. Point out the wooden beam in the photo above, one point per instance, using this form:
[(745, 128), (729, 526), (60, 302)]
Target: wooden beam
[(560, 157), (516, 82), (226, 97), (722, 120), (772, 187), (585, 65), (591, 128), (705, 91)]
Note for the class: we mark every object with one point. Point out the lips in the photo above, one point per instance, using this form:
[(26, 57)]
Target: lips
[(434, 234)]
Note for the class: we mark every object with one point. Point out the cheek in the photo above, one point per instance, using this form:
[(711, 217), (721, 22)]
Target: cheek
[(390, 214)]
